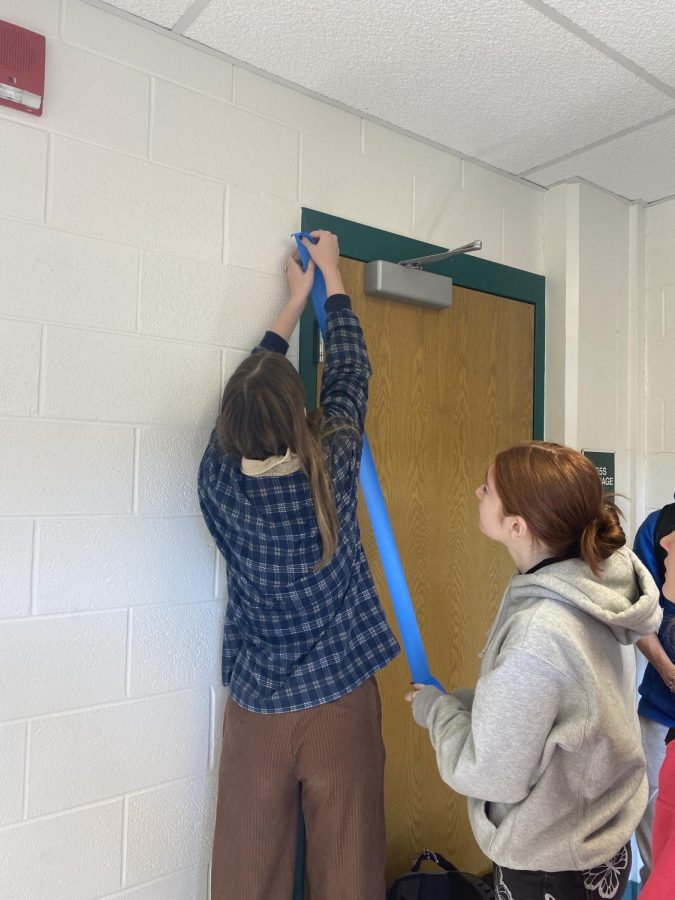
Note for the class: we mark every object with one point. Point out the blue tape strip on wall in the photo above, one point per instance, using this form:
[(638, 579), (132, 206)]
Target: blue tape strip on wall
[(379, 517)]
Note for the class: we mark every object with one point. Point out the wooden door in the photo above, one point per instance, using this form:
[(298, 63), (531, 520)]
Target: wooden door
[(449, 389)]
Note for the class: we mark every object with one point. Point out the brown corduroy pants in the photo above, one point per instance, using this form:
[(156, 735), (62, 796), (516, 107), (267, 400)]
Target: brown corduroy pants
[(330, 759)]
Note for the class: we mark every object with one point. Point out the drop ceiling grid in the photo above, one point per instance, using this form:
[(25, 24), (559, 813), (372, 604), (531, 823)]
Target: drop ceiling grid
[(613, 164), (641, 30), (502, 82), (498, 81), (162, 12)]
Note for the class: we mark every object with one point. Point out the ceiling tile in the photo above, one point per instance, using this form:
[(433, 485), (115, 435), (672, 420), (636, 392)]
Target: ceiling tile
[(641, 30), (640, 165), (497, 81), (162, 12), (501, 81)]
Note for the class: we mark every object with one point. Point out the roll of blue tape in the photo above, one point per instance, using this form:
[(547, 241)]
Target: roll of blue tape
[(379, 517)]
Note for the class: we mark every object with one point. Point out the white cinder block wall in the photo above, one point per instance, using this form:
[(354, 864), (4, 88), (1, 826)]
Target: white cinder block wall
[(594, 263), (595, 270), (660, 353), (143, 221)]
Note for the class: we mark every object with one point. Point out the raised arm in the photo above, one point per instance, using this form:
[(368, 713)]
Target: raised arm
[(276, 340), (344, 386), (283, 326), (299, 286)]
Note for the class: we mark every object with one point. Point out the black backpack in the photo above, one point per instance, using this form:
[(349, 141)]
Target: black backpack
[(450, 884)]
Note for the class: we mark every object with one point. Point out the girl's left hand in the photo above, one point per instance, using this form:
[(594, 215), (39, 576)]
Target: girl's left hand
[(667, 673), (299, 282), (415, 691)]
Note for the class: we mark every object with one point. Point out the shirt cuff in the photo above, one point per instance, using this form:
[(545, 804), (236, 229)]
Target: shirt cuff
[(274, 342), (337, 302)]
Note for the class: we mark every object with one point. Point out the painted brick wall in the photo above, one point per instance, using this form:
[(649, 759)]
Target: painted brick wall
[(594, 331), (660, 353), (143, 221)]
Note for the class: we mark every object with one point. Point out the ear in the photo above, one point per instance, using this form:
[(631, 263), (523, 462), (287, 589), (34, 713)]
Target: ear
[(519, 529)]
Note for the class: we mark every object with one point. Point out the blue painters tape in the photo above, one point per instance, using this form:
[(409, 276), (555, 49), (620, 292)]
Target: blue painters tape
[(379, 517)]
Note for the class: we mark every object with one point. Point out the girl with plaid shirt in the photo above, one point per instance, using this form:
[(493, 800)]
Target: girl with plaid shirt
[(304, 630)]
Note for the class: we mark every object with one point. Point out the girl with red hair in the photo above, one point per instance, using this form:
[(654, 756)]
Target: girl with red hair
[(547, 747)]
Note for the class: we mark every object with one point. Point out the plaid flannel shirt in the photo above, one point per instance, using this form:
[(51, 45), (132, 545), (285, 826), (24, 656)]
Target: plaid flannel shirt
[(296, 637)]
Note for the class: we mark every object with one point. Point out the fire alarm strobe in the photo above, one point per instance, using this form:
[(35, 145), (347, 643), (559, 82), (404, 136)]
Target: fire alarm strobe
[(22, 68)]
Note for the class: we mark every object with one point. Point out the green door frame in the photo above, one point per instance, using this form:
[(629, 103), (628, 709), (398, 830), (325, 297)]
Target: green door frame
[(363, 243)]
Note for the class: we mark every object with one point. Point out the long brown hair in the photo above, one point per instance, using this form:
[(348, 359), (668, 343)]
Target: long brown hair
[(263, 414), (558, 492)]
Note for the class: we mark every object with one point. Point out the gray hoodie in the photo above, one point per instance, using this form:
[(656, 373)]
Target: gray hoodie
[(547, 748)]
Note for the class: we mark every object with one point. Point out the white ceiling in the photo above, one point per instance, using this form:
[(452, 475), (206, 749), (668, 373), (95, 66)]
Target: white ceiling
[(547, 91)]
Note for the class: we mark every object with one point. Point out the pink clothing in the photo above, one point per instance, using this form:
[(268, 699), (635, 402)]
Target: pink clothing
[(661, 883)]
